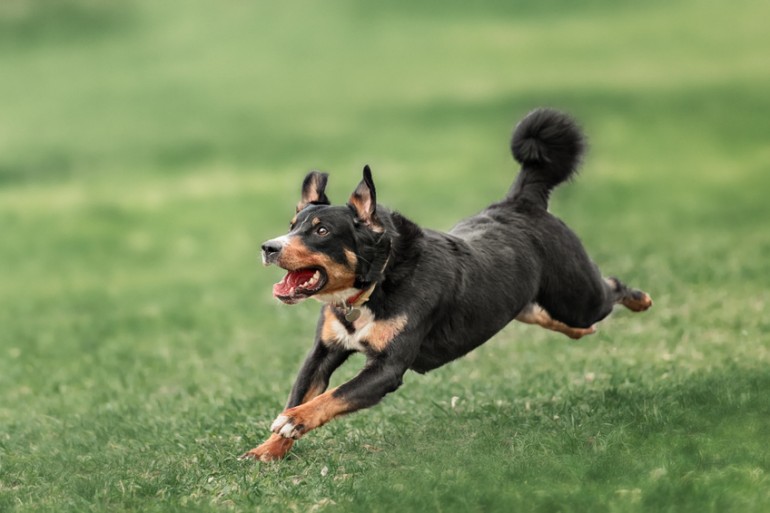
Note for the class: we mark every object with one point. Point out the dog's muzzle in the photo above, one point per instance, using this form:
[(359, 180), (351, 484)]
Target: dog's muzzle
[(271, 250)]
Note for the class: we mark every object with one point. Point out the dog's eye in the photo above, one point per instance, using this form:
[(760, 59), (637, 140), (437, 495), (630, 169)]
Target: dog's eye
[(322, 231)]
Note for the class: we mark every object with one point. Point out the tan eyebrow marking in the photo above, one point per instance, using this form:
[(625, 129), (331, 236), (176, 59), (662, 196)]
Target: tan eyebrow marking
[(315, 221), (352, 257)]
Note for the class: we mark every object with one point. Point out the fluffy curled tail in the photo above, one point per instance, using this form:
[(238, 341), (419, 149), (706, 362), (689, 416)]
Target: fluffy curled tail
[(549, 146)]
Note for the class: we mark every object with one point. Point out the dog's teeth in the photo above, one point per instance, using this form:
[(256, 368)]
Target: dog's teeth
[(312, 281)]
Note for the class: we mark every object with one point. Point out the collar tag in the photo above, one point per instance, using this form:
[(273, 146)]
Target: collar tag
[(353, 314), (351, 307)]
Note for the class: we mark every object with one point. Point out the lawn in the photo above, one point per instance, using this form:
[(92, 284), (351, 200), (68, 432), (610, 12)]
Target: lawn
[(148, 148)]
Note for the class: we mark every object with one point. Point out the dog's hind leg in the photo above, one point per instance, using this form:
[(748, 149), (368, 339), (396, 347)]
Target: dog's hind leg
[(633, 299), (535, 314)]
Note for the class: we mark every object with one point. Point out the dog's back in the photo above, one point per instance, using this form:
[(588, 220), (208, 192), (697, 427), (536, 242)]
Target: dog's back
[(515, 253)]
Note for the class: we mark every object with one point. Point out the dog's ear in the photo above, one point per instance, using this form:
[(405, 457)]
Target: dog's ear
[(364, 200), (313, 188)]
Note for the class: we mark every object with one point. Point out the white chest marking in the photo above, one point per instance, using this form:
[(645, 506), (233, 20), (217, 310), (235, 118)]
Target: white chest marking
[(352, 341)]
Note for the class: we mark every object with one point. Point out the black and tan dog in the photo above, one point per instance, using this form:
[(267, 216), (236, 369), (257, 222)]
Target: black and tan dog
[(413, 298)]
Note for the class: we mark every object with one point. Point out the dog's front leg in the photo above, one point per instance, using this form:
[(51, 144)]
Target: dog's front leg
[(381, 376), (314, 375), (312, 380)]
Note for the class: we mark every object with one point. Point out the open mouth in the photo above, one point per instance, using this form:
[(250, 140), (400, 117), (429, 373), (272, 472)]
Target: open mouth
[(300, 284)]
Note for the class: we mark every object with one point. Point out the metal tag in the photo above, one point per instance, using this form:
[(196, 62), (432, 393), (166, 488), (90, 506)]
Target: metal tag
[(352, 315)]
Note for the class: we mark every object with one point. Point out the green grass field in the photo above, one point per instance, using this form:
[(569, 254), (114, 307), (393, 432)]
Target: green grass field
[(148, 148)]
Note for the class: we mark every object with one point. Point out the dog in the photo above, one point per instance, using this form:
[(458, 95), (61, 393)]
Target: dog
[(411, 298)]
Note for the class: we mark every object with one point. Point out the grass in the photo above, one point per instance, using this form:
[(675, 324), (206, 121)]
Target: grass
[(147, 148)]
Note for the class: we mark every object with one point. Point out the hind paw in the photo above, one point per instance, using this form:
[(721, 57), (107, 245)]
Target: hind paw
[(578, 333), (637, 301)]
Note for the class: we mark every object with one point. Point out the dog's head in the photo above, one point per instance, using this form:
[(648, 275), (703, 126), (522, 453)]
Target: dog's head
[(331, 252)]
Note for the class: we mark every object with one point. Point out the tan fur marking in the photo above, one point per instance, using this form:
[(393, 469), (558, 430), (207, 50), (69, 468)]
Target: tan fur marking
[(296, 255), (535, 314), (352, 258), (383, 332), (274, 448), (314, 391), (312, 193), (317, 412), (362, 202), (315, 221), (369, 333), (637, 304), (635, 300), (327, 330), (362, 205)]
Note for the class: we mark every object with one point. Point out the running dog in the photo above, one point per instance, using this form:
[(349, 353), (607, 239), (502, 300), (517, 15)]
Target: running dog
[(413, 298)]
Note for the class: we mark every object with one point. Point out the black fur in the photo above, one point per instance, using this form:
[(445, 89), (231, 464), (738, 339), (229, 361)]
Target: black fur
[(549, 146)]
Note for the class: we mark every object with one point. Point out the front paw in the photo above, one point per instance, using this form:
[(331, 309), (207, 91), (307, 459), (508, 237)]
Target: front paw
[(288, 426), (274, 448)]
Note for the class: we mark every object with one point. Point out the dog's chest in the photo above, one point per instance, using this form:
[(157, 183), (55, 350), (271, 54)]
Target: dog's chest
[(364, 334)]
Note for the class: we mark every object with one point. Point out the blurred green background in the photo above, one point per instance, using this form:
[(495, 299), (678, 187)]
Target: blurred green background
[(148, 148)]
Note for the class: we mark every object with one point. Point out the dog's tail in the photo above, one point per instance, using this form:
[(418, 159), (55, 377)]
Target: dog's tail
[(549, 146)]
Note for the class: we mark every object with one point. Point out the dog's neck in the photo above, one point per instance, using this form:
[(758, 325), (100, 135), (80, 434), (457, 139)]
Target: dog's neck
[(350, 297), (360, 297), (351, 306), (350, 300)]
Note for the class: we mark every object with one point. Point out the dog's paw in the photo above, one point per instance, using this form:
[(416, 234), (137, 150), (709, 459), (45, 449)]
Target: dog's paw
[(637, 301), (578, 333), (288, 426), (274, 448)]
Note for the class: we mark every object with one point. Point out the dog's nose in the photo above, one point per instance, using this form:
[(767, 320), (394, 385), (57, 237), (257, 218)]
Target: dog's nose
[(270, 251)]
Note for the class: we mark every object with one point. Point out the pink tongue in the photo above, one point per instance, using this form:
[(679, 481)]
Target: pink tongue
[(292, 280)]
